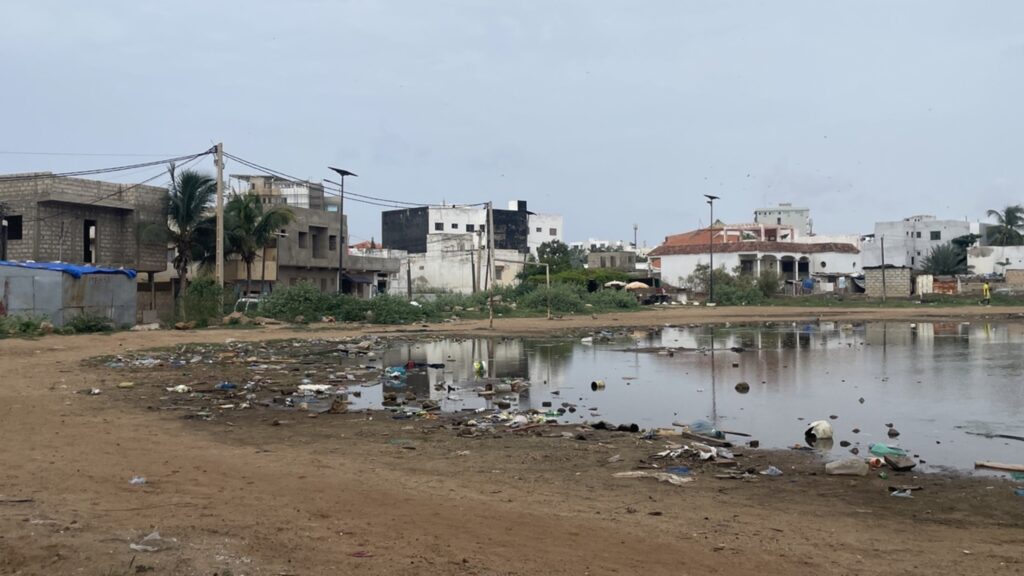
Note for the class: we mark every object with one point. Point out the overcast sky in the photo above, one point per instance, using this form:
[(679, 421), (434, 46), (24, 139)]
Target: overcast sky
[(608, 112)]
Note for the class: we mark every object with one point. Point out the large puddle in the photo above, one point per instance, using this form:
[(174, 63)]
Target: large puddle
[(936, 383)]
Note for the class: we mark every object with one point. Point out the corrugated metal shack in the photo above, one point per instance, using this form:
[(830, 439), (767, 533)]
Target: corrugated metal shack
[(59, 292)]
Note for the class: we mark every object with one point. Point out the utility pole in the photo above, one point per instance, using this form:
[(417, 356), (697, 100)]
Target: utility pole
[(711, 248), (635, 227), (490, 264), (342, 244), (219, 160), (3, 231), (884, 290)]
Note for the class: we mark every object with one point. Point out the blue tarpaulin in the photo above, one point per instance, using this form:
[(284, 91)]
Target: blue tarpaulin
[(73, 270)]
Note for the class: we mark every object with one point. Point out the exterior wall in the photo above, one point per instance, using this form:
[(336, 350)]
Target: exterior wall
[(908, 241), (450, 264), (1015, 277), (622, 260), (405, 229), (992, 259), (675, 268), (315, 262), (897, 282), (540, 230), (129, 221), (786, 215)]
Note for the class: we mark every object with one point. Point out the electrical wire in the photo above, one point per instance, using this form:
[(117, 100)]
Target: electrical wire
[(109, 154), (47, 175)]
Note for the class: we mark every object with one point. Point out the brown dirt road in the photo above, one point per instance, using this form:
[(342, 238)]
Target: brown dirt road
[(309, 497)]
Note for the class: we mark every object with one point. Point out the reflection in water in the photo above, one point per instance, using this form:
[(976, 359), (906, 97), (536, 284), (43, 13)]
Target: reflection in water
[(926, 378)]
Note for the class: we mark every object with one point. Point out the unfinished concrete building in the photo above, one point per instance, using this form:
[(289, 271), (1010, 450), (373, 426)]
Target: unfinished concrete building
[(79, 221)]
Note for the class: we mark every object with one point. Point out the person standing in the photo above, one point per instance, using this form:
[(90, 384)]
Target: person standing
[(986, 293)]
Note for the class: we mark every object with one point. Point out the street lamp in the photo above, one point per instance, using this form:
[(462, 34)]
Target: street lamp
[(711, 248), (342, 244)]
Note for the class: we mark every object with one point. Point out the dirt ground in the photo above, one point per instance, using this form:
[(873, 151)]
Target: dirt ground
[(362, 493)]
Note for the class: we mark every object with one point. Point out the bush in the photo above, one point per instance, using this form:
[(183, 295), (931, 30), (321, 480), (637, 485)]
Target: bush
[(769, 282), (564, 298), (86, 323), (612, 300), (303, 299), (204, 302), (19, 325)]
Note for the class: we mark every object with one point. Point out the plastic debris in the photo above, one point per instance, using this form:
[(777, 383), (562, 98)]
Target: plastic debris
[(152, 543), (673, 479), (881, 450), (180, 389), (902, 493), (771, 471), (847, 467), (225, 386), (137, 480)]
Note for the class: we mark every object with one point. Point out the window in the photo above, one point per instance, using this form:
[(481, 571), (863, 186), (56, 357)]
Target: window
[(421, 267), (332, 243), (823, 264), (918, 234), (538, 229), (497, 272), (911, 260), (14, 227), (439, 226), (89, 239), (303, 239), (778, 221), (455, 226), (553, 231), (482, 227), (936, 235), (470, 228)]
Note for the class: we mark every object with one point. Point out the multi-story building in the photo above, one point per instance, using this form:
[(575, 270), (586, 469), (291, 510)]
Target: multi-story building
[(79, 221), (785, 214), (274, 190), (908, 242), (516, 229)]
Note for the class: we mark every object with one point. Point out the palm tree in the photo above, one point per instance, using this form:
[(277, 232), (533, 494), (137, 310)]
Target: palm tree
[(190, 227), (251, 228), (946, 260), (1006, 231)]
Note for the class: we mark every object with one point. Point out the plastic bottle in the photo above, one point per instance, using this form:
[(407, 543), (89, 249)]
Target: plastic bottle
[(847, 467)]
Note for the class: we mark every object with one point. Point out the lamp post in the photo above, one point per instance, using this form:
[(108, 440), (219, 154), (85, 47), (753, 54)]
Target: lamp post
[(342, 244), (711, 248)]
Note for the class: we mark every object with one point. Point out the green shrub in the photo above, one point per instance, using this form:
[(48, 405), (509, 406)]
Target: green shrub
[(612, 300), (204, 301), (564, 298), (19, 325), (303, 299), (769, 282), (86, 323)]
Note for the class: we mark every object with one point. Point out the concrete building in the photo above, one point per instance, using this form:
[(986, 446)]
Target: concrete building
[(792, 260), (83, 221), (274, 190), (909, 241), (785, 214), (518, 229), (456, 263), (622, 260)]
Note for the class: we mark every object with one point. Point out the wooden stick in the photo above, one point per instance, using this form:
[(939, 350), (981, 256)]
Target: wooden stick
[(1000, 466)]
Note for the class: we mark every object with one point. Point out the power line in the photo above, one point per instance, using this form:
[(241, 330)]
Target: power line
[(46, 175), (108, 154)]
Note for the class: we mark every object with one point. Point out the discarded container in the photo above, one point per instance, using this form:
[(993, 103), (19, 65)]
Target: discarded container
[(881, 450), (900, 463), (225, 386), (847, 467), (597, 385), (818, 430)]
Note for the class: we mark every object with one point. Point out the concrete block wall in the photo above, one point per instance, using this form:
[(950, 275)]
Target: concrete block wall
[(1015, 277), (897, 282), (56, 231)]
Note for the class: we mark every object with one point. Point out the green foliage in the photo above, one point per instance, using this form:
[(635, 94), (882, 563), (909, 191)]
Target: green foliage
[(190, 229), (204, 302), (946, 260), (303, 299), (591, 279), (19, 325), (769, 282), (1006, 231), (307, 301), (612, 300), (966, 241), (564, 298), (87, 323), (733, 289), (250, 227), (556, 255)]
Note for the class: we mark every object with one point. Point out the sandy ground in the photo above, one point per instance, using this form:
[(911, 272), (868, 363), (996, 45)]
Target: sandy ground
[(347, 494)]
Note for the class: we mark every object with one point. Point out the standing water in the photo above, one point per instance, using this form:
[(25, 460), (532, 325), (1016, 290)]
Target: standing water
[(942, 386)]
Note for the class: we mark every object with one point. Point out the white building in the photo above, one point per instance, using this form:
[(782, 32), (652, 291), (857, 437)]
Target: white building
[(907, 242), (517, 228), (986, 260), (455, 263), (785, 214), (792, 260)]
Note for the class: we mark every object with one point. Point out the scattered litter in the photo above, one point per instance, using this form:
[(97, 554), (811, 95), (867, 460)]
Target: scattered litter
[(902, 493), (225, 386), (137, 480), (180, 389), (614, 459), (771, 471), (847, 467), (152, 543), (124, 385), (95, 392), (1000, 466), (882, 450), (674, 479)]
